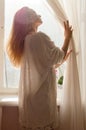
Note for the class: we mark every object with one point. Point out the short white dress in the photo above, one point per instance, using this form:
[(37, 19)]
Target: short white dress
[(37, 89)]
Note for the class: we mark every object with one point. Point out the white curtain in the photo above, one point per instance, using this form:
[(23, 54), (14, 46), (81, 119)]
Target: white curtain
[(83, 61), (71, 112)]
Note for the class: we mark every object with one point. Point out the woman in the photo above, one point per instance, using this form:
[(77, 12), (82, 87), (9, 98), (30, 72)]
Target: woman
[(37, 57)]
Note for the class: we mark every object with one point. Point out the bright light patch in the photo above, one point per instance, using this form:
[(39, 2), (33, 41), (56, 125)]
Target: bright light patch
[(9, 99)]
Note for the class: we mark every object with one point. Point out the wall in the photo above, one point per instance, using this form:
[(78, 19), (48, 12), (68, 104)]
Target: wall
[(10, 118)]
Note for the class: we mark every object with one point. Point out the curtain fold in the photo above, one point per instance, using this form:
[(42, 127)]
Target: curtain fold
[(58, 11), (71, 116)]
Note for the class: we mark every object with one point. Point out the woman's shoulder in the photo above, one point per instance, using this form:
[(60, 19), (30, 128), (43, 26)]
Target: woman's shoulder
[(37, 35), (39, 38), (43, 34)]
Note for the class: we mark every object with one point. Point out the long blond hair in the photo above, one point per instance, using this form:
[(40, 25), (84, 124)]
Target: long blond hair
[(22, 25), (15, 46)]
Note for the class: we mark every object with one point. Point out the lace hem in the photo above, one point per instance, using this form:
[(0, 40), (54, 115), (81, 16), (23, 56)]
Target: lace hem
[(47, 127)]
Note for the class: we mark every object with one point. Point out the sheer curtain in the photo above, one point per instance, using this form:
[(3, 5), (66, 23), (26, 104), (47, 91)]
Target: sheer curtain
[(83, 61), (71, 109)]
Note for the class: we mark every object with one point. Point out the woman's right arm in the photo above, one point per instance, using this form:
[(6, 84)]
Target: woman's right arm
[(68, 34)]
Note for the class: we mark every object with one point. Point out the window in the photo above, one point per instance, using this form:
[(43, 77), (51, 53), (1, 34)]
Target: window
[(10, 75)]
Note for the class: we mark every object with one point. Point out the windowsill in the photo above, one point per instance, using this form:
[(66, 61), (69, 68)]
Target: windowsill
[(12, 100), (8, 100)]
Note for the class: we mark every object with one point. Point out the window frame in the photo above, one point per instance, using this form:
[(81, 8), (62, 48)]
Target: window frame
[(1, 42), (8, 91), (3, 90)]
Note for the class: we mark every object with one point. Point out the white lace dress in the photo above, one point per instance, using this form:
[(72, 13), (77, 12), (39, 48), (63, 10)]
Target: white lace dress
[(37, 93)]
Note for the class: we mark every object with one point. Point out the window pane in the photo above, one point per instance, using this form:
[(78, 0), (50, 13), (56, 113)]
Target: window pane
[(11, 74)]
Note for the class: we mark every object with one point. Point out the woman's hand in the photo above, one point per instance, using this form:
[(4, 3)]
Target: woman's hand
[(67, 30)]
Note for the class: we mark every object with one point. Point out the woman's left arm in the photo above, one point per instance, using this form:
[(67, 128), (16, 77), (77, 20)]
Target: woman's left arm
[(65, 58)]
